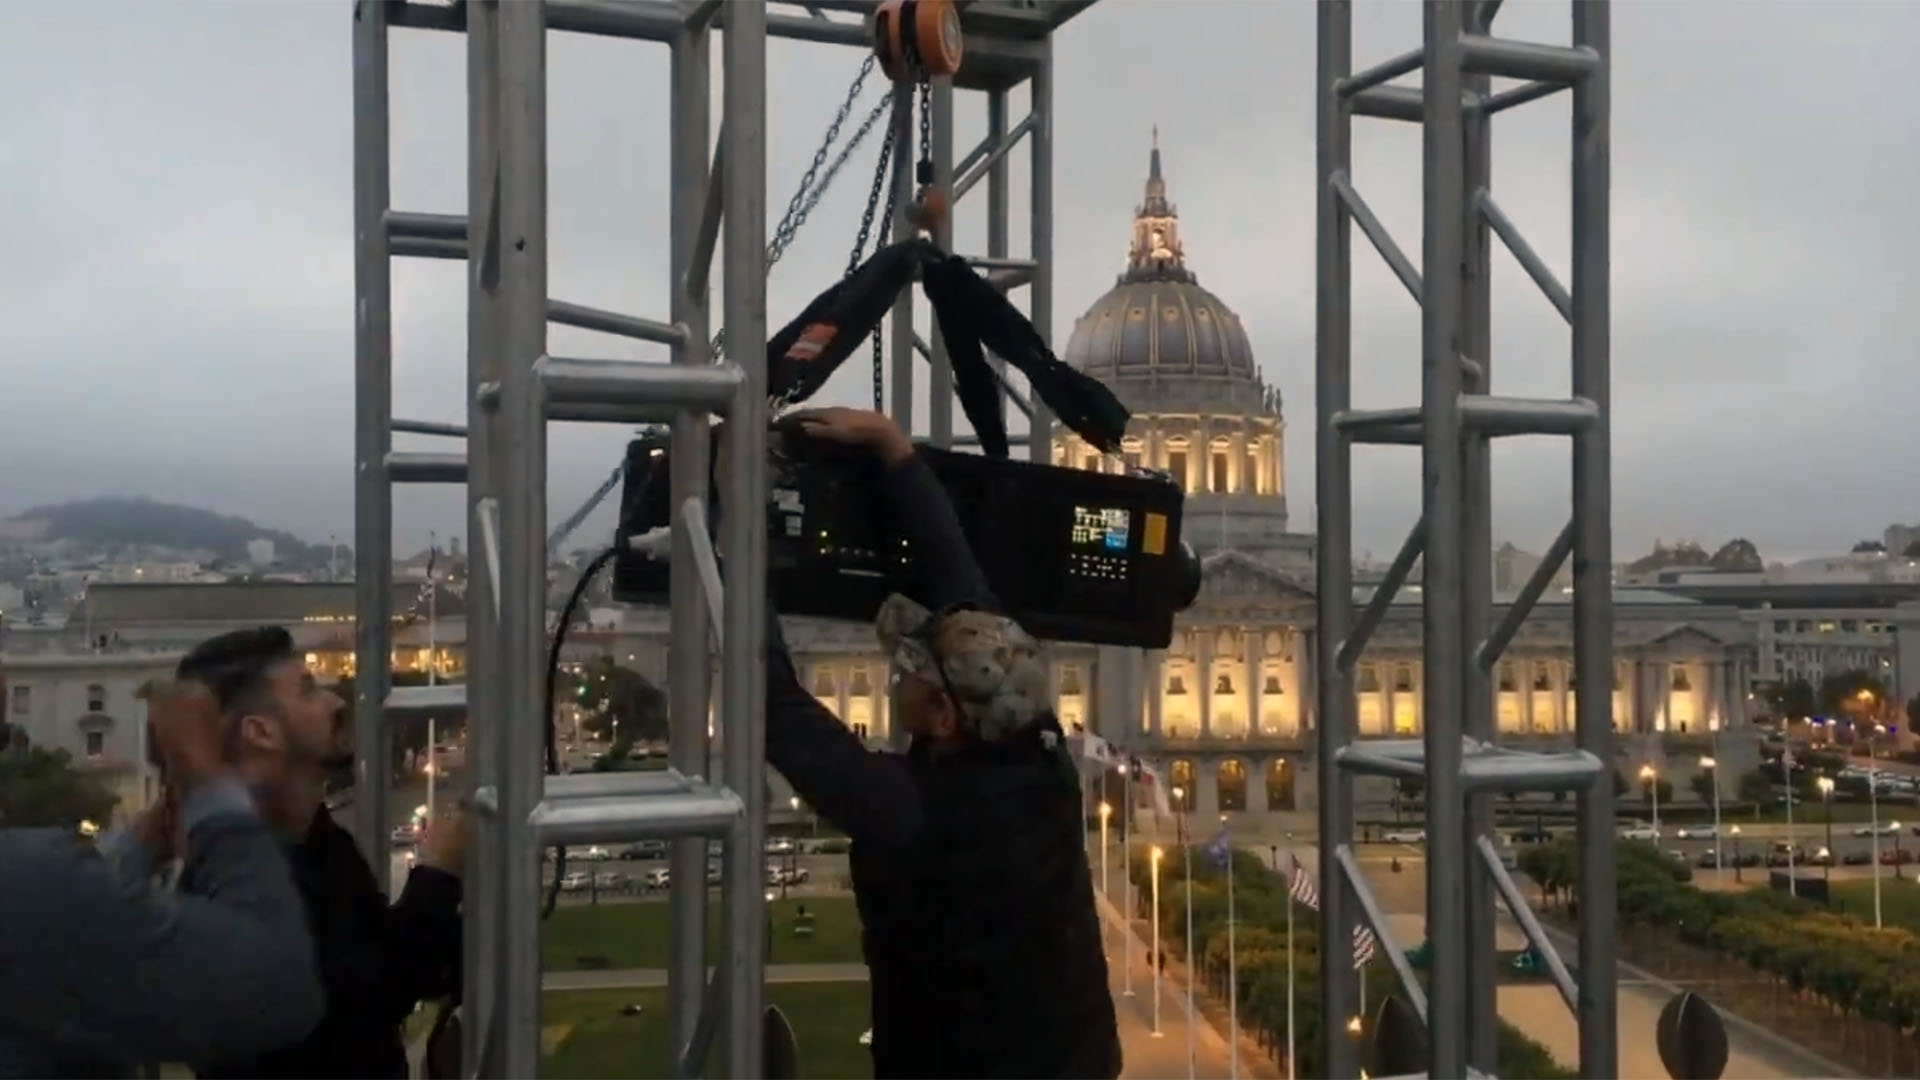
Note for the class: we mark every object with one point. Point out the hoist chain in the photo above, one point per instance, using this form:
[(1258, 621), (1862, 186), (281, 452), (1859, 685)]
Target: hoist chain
[(879, 355), (814, 183), (924, 168), (808, 196)]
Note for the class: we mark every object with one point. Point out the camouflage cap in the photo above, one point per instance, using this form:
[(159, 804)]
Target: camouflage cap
[(994, 668)]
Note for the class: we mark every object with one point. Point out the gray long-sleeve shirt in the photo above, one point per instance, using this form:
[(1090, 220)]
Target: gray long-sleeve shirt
[(98, 971)]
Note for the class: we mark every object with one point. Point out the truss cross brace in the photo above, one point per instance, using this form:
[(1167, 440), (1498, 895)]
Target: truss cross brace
[(1459, 758), (515, 387)]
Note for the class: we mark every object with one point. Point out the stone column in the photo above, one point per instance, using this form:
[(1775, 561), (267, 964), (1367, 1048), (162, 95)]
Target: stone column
[(1637, 692), (1525, 687), (1203, 661), (1256, 638), (1663, 696)]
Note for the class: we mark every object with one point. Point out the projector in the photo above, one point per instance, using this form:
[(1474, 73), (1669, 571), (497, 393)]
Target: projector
[(1073, 555)]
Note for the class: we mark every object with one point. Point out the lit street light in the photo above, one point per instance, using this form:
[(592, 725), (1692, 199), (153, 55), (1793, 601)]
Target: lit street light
[(1712, 766), (1649, 778), (1825, 784), (1106, 812), (1873, 802), (1153, 858)]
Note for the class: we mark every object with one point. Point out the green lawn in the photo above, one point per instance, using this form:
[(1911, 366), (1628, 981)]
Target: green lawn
[(1899, 899), (586, 1036), (634, 935)]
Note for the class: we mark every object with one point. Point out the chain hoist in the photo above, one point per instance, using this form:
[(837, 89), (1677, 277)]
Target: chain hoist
[(916, 41)]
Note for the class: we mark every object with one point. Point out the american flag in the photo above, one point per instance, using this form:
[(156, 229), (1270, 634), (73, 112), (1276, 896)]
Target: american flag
[(1304, 891)]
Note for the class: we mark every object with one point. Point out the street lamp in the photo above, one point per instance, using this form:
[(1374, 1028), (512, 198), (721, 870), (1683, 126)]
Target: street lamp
[(1712, 766), (1153, 858), (1873, 804), (1736, 854), (1106, 812), (1647, 777), (1825, 784)]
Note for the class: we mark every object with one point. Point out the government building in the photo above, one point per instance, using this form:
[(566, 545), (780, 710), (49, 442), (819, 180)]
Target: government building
[(1226, 712)]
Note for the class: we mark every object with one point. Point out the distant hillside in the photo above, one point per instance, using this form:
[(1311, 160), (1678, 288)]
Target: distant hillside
[(117, 521)]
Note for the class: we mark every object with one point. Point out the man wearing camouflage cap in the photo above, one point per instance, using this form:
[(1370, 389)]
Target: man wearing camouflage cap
[(968, 868)]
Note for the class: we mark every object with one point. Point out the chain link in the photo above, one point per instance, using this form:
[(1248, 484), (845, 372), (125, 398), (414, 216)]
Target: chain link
[(813, 183), (926, 127), (884, 177)]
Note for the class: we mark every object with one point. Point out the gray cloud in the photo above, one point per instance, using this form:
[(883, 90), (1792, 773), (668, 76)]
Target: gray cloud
[(176, 184)]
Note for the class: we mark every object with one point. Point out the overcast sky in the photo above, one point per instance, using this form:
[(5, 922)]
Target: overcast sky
[(175, 183)]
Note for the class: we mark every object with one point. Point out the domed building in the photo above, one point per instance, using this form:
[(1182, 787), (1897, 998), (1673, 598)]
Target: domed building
[(1226, 712), (1179, 358)]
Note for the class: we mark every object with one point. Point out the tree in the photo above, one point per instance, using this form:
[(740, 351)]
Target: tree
[(1792, 700), (1849, 693), (1703, 784), (1756, 787), (40, 787), (1913, 550), (409, 735), (620, 704)]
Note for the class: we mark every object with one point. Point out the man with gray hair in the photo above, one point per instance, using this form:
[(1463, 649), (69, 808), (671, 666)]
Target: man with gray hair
[(968, 867)]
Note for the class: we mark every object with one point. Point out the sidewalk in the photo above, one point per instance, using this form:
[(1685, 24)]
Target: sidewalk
[(1186, 1046)]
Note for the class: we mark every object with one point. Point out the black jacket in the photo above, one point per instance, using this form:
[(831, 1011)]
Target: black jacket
[(377, 962), (975, 899)]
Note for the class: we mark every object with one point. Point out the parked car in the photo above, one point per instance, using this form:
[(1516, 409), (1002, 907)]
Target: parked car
[(1695, 832), (1404, 836), (657, 878), (645, 849), (1640, 832), (1885, 828), (1532, 834)]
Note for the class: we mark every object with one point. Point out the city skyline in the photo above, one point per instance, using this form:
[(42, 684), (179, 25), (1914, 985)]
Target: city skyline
[(185, 274)]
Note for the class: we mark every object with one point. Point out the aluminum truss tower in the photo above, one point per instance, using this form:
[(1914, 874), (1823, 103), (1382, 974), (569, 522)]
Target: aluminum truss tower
[(514, 389), (1458, 759)]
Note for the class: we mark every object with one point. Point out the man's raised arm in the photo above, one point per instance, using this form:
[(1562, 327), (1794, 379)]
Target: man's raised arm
[(97, 967)]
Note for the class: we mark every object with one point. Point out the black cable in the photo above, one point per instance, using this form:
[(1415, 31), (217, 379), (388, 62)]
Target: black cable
[(552, 720), (553, 666)]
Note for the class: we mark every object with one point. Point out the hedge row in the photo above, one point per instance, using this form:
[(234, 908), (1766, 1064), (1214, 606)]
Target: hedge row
[(1849, 966), (1260, 941)]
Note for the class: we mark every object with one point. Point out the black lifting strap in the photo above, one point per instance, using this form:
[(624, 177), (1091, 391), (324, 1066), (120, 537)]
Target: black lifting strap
[(974, 318)]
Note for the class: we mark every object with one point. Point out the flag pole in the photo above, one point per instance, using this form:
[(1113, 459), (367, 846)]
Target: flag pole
[(433, 665), (1126, 881), (1233, 967), (1186, 852), (1292, 1057)]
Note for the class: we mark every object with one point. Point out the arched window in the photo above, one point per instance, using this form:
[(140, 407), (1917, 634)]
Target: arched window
[(1280, 785), (1232, 781), (96, 698), (1180, 786)]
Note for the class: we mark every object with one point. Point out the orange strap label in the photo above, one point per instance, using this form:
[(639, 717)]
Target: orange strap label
[(812, 341)]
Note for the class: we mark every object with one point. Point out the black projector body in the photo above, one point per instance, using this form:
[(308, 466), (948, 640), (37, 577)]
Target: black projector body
[(1073, 555)]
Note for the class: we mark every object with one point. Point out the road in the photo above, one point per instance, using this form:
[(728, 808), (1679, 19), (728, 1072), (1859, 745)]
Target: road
[(1538, 1012)]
